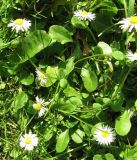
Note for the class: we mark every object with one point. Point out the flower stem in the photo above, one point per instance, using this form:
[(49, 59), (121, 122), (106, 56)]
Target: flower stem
[(125, 7), (95, 40)]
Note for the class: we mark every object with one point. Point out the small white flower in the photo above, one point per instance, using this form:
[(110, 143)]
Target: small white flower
[(29, 141), (40, 106), (41, 76), (84, 15), (104, 135), (20, 25), (129, 24), (132, 57)]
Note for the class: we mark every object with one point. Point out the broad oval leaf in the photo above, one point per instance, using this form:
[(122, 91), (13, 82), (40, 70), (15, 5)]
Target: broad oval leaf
[(117, 103), (60, 34), (78, 23), (89, 79), (106, 49), (77, 136), (71, 92), (62, 141), (70, 105), (30, 46), (26, 78), (118, 55), (63, 83), (97, 157), (123, 124), (66, 67), (19, 102), (109, 156), (52, 75)]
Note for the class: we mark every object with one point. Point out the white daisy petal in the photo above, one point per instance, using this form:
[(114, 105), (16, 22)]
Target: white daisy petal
[(28, 141), (41, 77), (20, 25), (42, 111), (84, 15), (104, 135), (132, 57), (29, 147), (129, 24), (22, 144)]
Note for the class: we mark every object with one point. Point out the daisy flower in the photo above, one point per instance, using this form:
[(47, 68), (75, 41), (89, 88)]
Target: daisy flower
[(29, 141), (41, 77), (20, 25), (129, 24), (39, 106), (104, 135), (84, 15), (132, 57)]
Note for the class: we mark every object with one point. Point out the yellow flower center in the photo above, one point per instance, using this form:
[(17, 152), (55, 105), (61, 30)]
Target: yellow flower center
[(37, 106), (133, 19), (105, 134), (28, 140), (84, 13), (18, 21)]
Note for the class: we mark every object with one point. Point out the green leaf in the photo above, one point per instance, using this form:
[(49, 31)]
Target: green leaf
[(106, 49), (77, 136), (63, 83), (52, 75), (123, 124), (62, 141), (131, 9), (60, 34), (130, 153), (26, 78), (109, 6), (71, 92), (29, 46), (70, 105), (117, 103), (89, 78), (109, 156), (20, 101), (103, 21), (49, 132), (2, 85), (78, 23), (66, 67), (97, 157), (118, 55)]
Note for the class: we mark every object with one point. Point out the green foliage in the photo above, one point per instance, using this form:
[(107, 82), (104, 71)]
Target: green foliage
[(62, 141), (60, 34), (30, 46), (77, 136), (107, 156), (65, 76), (89, 78), (118, 55), (78, 23), (123, 124), (20, 101), (129, 153), (52, 75)]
